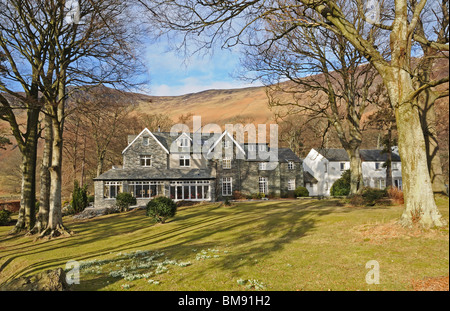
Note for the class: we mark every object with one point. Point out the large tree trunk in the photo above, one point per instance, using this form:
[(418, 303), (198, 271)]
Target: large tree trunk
[(27, 215), (420, 206), (355, 170), (55, 225), (44, 195), (428, 121)]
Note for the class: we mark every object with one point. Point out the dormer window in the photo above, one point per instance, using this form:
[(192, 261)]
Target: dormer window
[(226, 143), (251, 148), (146, 141), (291, 165), (184, 142), (146, 160), (262, 166), (262, 148)]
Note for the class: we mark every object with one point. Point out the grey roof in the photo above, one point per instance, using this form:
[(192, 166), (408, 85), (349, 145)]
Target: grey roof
[(334, 154), (284, 155), (154, 174), (309, 178)]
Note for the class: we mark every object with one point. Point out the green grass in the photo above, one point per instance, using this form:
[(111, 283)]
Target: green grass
[(283, 245)]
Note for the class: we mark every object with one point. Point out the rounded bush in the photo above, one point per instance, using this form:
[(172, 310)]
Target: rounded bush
[(341, 187), (161, 208), (5, 217), (301, 192), (124, 200)]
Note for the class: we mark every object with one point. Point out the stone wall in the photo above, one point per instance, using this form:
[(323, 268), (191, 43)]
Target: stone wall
[(131, 157)]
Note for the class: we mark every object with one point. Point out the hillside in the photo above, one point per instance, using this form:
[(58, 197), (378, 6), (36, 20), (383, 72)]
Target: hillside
[(246, 105)]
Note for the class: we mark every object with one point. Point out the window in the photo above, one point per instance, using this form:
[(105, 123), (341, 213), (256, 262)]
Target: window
[(226, 163), (111, 189), (146, 160), (184, 142), (342, 166), (226, 143), (146, 141), (398, 183), (394, 166), (291, 165), (251, 148), (262, 166), (263, 185), (262, 147), (227, 186), (377, 166), (146, 189), (380, 183), (190, 190), (291, 184), (185, 160)]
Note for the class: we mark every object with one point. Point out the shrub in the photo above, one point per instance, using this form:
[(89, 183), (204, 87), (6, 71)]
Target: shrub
[(396, 195), (161, 208), (5, 217), (341, 187), (124, 200), (237, 195), (301, 192), (371, 195), (79, 198)]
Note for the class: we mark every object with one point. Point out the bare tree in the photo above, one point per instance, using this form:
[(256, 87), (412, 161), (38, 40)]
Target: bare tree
[(239, 22), (337, 88)]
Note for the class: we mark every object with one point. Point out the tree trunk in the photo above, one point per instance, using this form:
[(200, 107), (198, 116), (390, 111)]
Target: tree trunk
[(27, 215), (355, 170), (55, 225), (44, 196), (388, 149), (428, 122), (420, 206)]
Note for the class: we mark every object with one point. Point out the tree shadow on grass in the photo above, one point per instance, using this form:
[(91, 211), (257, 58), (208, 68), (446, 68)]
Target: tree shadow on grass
[(258, 230)]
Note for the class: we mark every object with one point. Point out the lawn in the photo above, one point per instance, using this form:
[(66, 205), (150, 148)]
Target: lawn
[(284, 245)]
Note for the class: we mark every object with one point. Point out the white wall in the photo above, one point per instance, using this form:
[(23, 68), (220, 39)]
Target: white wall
[(314, 163)]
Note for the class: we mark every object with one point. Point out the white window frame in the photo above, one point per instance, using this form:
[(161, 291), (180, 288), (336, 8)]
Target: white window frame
[(378, 166), (227, 186), (263, 185), (394, 166), (251, 148), (342, 166), (226, 143), (226, 163), (291, 184), (399, 183), (183, 142), (262, 147), (184, 158), (262, 166), (108, 184), (291, 165), (145, 158)]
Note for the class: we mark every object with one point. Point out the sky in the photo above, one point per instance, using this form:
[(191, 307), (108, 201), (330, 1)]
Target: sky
[(172, 75)]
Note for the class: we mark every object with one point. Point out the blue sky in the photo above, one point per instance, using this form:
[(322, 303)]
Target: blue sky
[(171, 75)]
